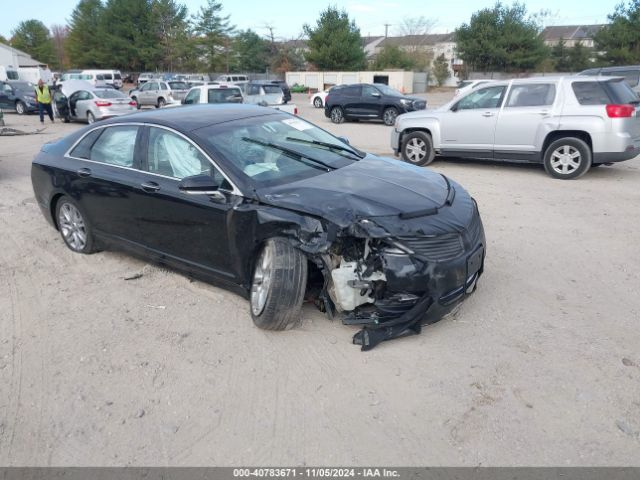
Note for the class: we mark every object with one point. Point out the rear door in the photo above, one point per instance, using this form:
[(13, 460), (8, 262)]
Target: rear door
[(468, 128), (350, 100), (524, 121)]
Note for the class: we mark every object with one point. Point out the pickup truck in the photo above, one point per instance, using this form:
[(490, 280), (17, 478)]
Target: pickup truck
[(269, 95)]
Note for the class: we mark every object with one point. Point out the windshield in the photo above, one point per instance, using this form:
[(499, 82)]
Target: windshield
[(464, 83), (291, 155), (22, 85), (109, 93), (178, 86), (388, 90)]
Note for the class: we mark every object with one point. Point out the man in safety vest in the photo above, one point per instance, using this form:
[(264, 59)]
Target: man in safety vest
[(43, 99)]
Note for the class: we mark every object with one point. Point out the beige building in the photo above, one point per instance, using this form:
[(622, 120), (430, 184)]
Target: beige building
[(571, 34), (398, 79)]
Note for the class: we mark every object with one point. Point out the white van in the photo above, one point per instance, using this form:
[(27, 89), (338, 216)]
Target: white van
[(110, 77), (7, 72), (34, 74), (233, 78)]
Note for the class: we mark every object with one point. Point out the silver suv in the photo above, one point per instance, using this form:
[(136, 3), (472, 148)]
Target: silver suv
[(159, 93), (568, 123)]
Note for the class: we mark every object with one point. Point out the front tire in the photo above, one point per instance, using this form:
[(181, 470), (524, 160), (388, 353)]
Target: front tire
[(74, 226), (278, 286), (567, 158), (337, 115), (417, 149), (317, 102), (161, 103), (389, 116), (21, 108)]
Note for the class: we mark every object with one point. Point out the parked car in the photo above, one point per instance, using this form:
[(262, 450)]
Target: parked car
[(567, 123), (272, 207), (112, 78), (18, 96), (145, 77), (364, 101), (630, 73), (159, 93), (214, 94), (465, 86), (92, 105), (285, 89), (318, 98), (268, 95)]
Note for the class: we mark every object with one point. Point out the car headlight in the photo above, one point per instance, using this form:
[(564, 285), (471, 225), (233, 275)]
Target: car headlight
[(406, 102)]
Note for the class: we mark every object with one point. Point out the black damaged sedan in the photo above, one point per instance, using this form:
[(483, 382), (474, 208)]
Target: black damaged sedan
[(272, 207)]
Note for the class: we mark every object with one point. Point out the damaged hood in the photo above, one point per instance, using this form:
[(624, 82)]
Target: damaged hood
[(376, 189)]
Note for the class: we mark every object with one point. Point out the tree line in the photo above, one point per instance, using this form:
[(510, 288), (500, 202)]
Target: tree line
[(161, 35)]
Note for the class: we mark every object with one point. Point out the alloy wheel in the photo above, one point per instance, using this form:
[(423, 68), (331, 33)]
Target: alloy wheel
[(565, 159), (317, 103), (389, 116), (90, 118), (20, 109), (261, 282), (416, 150), (72, 227), (336, 115)]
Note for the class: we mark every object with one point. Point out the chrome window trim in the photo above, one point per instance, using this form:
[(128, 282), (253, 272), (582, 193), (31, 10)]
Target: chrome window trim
[(235, 190)]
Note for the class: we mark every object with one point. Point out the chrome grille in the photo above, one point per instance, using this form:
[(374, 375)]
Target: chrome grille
[(441, 247)]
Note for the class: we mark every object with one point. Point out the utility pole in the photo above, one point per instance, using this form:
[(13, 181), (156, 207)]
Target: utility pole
[(386, 29)]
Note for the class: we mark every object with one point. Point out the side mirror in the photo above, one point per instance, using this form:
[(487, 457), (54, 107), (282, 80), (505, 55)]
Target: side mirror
[(198, 184), (454, 108), (344, 140)]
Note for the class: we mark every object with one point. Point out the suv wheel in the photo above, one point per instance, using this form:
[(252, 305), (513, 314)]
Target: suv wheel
[(337, 115), (317, 102), (567, 158), (21, 108), (278, 286), (417, 148), (389, 116)]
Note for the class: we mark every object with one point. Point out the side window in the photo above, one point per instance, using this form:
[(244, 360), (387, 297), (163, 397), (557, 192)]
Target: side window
[(144, 87), (352, 92), (116, 146), (173, 156), (489, 97), (254, 90), (369, 91), (590, 93), (163, 86), (235, 79), (534, 95), (83, 149), (192, 97)]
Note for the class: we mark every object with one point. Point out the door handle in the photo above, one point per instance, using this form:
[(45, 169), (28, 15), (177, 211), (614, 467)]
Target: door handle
[(84, 172), (150, 186), (543, 112), (487, 114)]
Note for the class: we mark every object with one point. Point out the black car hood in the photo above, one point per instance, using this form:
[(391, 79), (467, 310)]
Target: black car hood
[(375, 189)]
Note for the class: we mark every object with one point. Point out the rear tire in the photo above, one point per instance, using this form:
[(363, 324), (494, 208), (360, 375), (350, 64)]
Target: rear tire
[(161, 103), (91, 119), (567, 158), (278, 286), (389, 116), (317, 102), (337, 115), (417, 149), (75, 229)]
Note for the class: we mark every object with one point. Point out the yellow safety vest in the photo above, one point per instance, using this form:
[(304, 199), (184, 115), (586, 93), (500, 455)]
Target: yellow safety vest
[(43, 96)]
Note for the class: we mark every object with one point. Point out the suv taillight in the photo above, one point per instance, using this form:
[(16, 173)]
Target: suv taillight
[(621, 111)]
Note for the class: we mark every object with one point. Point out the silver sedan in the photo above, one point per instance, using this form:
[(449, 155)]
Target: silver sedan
[(97, 104)]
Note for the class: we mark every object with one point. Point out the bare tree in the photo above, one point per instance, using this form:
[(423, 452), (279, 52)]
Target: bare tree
[(415, 42), (59, 36)]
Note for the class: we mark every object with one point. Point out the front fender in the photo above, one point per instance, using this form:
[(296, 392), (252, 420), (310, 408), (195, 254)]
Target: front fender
[(429, 124)]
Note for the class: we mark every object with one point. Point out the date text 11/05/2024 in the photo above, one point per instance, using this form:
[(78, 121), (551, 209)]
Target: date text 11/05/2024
[(316, 472)]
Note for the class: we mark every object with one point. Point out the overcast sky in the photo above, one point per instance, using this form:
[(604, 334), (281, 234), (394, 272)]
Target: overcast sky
[(287, 17)]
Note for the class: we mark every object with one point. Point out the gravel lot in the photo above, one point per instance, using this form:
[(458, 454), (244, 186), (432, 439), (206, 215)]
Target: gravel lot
[(541, 366)]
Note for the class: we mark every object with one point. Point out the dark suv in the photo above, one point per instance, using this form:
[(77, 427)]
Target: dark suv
[(19, 96), (364, 101)]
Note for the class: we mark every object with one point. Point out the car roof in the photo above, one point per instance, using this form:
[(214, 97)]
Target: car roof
[(193, 117)]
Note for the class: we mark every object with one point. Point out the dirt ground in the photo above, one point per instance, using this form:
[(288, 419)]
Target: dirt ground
[(541, 366)]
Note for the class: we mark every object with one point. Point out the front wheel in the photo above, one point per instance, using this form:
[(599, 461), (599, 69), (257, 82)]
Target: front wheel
[(317, 102), (337, 115), (74, 227), (278, 286), (417, 148), (567, 158), (161, 102), (389, 116), (21, 108)]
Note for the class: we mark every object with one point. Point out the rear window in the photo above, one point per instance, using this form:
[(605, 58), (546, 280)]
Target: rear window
[(223, 95), (109, 94), (178, 85), (83, 149), (272, 89), (602, 93)]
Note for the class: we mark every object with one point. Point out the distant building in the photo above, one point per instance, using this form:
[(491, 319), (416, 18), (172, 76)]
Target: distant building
[(571, 34), (17, 58)]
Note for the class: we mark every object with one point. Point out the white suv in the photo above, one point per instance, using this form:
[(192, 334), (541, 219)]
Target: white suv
[(566, 123)]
